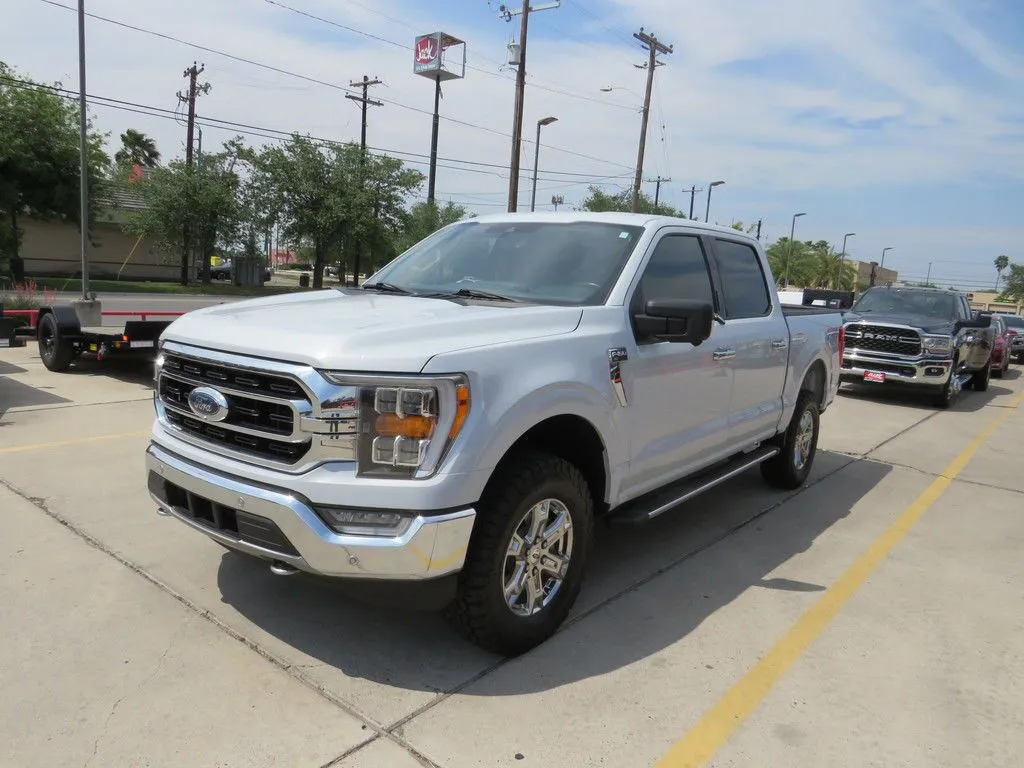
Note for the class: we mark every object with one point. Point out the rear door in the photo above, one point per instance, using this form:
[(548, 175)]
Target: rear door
[(755, 340)]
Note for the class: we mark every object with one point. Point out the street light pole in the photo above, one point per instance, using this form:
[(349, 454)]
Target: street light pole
[(842, 261), (536, 158), (707, 210), (887, 248), (789, 253)]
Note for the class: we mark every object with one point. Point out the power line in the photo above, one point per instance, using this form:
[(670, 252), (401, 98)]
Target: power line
[(317, 81), (279, 135)]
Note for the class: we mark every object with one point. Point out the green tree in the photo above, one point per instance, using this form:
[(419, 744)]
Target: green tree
[(332, 195), (598, 200), (1013, 287), (1001, 262), (39, 161), (137, 148), (202, 200)]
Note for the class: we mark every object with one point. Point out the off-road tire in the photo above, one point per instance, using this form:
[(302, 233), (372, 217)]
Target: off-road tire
[(479, 611), (979, 381), (782, 471), (55, 352)]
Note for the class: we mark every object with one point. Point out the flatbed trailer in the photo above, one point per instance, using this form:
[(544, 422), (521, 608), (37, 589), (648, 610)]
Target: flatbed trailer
[(62, 339)]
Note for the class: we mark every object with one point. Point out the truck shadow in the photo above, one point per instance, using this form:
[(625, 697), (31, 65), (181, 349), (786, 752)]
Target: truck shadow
[(16, 394), (648, 588)]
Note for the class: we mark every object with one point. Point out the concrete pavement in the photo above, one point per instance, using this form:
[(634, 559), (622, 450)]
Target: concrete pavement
[(921, 664)]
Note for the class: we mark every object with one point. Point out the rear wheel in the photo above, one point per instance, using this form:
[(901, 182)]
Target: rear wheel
[(527, 556), (55, 352), (791, 467)]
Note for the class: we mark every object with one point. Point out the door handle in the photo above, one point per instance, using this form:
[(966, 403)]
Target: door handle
[(779, 343), (723, 354)]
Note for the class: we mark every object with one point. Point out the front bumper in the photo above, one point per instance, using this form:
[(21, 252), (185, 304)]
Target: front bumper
[(922, 371), (280, 526)]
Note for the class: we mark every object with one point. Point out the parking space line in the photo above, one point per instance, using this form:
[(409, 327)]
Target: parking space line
[(718, 724), (75, 441)]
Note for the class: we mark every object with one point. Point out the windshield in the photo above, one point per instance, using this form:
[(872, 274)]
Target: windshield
[(1013, 321), (572, 264), (933, 304)]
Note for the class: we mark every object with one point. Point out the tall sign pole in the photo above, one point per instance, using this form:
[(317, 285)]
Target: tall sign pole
[(83, 159), (431, 59)]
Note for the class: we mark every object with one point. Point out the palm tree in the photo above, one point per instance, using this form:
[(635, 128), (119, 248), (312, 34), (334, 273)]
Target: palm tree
[(1001, 262), (137, 149)]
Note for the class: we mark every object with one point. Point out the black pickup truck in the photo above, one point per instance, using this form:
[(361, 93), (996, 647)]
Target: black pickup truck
[(927, 339)]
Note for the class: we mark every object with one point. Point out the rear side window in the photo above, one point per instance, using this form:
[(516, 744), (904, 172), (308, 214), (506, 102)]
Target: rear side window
[(744, 290), (677, 270)]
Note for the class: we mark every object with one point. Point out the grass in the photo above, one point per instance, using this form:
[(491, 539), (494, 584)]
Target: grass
[(125, 286)]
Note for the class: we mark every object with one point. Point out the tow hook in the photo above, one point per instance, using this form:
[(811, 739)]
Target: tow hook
[(282, 569)]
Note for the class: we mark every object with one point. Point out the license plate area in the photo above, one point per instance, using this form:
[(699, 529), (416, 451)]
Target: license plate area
[(878, 377)]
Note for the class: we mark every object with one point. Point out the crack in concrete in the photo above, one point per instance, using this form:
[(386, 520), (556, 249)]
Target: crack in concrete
[(138, 688)]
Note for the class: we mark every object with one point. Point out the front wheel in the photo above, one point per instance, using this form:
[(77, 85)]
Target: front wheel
[(979, 381), (527, 555), (791, 467)]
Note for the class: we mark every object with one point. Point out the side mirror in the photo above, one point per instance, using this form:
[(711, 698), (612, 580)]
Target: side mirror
[(676, 320), (985, 321)]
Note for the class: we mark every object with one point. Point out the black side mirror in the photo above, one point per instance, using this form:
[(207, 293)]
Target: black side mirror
[(984, 321), (676, 320)]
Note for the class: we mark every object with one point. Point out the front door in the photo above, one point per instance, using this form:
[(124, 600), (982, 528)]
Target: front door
[(678, 393)]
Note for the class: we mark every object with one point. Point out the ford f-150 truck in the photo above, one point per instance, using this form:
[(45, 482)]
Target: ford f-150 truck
[(461, 421), (923, 339)]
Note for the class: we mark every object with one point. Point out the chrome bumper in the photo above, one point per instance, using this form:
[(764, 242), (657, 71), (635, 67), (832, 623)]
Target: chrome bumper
[(431, 546), (920, 371)]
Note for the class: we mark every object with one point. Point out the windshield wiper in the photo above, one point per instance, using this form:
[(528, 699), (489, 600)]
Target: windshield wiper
[(385, 288), (470, 293)]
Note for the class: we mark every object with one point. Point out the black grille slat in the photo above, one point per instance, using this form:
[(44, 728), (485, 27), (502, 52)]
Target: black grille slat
[(274, 418), (883, 339), (236, 523), (256, 382), (258, 446)]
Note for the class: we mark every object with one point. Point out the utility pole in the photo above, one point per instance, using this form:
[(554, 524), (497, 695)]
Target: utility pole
[(87, 310), (928, 278), (365, 102), (759, 229), (517, 116), (192, 73), (654, 47), (657, 189), (693, 194)]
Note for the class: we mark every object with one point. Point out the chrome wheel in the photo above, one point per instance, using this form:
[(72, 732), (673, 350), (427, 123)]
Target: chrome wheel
[(804, 440), (537, 558)]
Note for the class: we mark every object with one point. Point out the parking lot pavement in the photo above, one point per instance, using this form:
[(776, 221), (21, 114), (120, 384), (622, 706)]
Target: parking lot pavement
[(919, 664)]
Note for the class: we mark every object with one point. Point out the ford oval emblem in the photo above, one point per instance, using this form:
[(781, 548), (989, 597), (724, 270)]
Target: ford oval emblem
[(208, 404)]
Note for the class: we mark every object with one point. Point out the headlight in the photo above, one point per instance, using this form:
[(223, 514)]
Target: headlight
[(937, 345), (406, 425)]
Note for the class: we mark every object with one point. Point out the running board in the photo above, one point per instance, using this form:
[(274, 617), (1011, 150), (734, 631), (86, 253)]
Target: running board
[(650, 506)]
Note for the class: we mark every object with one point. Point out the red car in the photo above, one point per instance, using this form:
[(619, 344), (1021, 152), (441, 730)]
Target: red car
[(1002, 346)]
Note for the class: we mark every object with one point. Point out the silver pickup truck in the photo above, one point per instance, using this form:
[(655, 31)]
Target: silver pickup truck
[(458, 424)]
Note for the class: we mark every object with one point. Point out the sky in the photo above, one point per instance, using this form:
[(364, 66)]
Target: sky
[(901, 122)]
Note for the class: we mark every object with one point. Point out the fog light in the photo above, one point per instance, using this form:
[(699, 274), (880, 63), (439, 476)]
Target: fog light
[(366, 522)]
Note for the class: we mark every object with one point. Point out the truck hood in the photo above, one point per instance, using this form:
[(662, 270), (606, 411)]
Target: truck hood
[(922, 323), (358, 331)]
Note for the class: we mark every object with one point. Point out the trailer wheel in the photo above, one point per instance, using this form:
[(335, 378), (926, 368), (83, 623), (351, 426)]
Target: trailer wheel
[(55, 352)]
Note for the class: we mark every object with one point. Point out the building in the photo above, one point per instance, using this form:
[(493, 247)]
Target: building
[(883, 275), (53, 247)]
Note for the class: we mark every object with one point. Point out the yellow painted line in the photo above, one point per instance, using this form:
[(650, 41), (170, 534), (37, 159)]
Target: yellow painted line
[(75, 441), (718, 724)]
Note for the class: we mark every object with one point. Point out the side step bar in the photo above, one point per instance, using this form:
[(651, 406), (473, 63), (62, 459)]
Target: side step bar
[(648, 507)]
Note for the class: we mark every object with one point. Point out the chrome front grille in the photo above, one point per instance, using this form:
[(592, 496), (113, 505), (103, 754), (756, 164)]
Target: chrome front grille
[(279, 415), (883, 339)]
